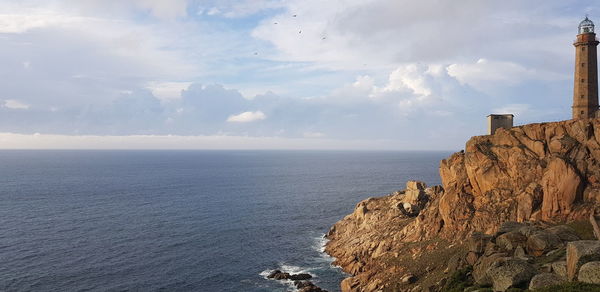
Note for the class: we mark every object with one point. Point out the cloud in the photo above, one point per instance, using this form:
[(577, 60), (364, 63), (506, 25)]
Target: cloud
[(168, 91), (339, 70), (15, 104), (247, 117)]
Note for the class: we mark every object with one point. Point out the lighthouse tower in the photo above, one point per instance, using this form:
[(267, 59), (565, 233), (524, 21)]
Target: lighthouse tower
[(585, 92)]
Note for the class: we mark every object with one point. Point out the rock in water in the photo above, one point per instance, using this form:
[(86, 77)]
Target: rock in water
[(273, 274), (299, 277)]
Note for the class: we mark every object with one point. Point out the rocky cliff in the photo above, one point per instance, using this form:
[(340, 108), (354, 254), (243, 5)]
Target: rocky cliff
[(548, 172)]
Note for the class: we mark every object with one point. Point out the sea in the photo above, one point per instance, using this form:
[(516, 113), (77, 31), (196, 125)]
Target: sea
[(184, 220)]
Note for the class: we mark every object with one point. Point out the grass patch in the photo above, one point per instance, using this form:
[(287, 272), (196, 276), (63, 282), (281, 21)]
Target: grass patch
[(571, 287), (460, 280)]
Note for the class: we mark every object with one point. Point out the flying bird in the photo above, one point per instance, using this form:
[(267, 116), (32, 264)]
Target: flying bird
[(294, 15)]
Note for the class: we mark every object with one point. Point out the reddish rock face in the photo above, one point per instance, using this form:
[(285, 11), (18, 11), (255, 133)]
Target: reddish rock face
[(548, 171), (561, 185), (537, 172)]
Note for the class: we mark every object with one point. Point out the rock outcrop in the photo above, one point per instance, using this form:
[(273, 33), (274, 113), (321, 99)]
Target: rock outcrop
[(548, 173)]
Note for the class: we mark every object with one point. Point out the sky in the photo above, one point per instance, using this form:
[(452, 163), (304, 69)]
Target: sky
[(280, 74)]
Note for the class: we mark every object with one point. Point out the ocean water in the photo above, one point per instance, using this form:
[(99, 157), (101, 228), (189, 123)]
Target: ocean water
[(183, 220)]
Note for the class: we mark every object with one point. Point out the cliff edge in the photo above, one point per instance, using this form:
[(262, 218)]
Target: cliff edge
[(547, 173)]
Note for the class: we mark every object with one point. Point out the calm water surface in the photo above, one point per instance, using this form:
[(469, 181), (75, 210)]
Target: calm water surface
[(183, 220)]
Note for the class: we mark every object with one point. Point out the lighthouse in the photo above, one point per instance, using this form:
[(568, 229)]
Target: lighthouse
[(585, 91)]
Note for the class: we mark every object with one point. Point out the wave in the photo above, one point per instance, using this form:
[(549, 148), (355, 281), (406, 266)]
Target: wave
[(288, 269), (319, 245)]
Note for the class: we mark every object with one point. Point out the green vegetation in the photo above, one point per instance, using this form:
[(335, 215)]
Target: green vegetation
[(460, 280), (571, 287)]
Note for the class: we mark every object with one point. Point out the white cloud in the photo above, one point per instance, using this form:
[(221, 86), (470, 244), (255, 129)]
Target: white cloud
[(22, 22), (408, 77), (482, 71), (15, 104), (485, 73), (167, 91), (247, 117), (378, 69)]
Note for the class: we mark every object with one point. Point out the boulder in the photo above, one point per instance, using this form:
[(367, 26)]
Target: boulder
[(415, 185), (455, 263), (510, 273), (544, 280), (490, 248), (361, 210), (529, 230), (311, 288), (579, 253), (410, 209), (560, 268), (478, 241), (300, 277), (520, 253), (273, 274), (541, 242), (480, 269), (278, 275), (590, 273), (302, 284), (509, 226), (564, 232), (409, 279), (415, 192), (510, 240), (282, 276)]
